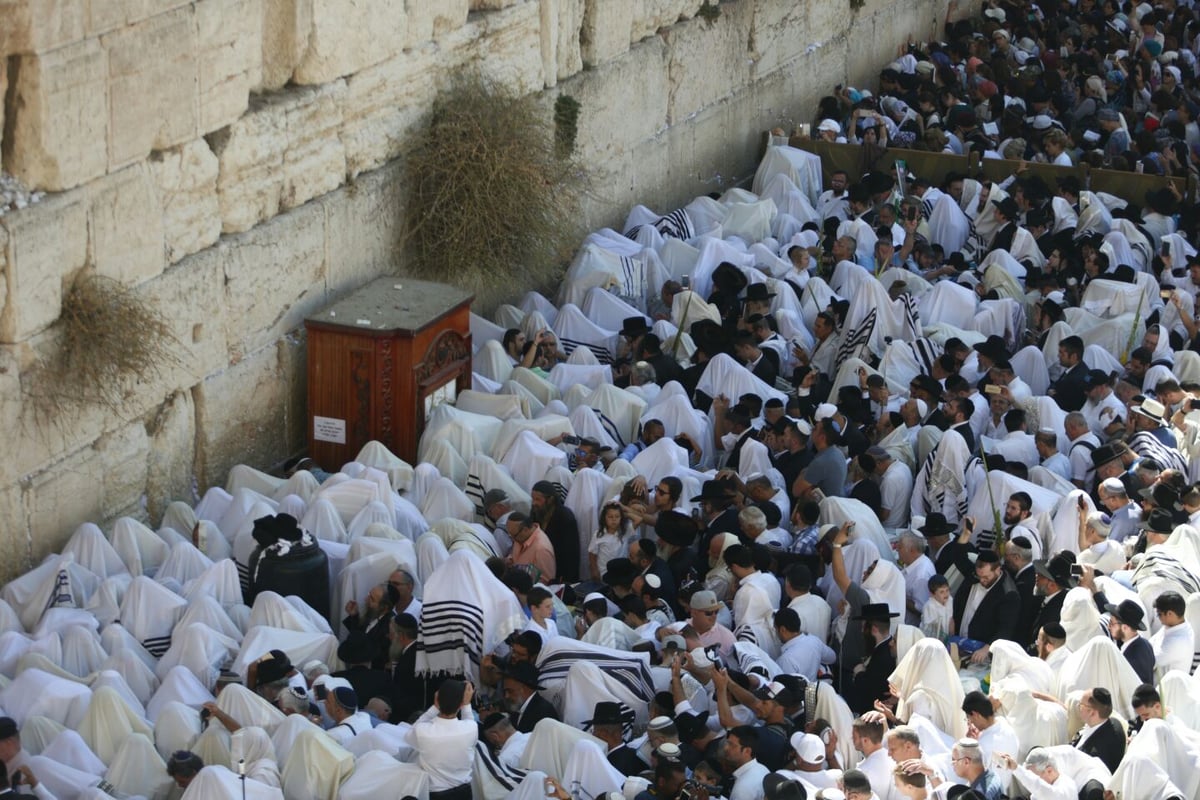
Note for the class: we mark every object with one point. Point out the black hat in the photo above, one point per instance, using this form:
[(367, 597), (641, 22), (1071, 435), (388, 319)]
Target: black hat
[(273, 667), (780, 693), (780, 787), (675, 528), (1008, 207), (876, 612), (713, 490), (619, 572), (691, 726), (1123, 274), (728, 277), (936, 524), (634, 327), (1094, 378), (1105, 453), (987, 557), (1057, 569), (523, 672), (1129, 613), (993, 347), (269, 530), (878, 182), (606, 712), (930, 385), (493, 719), (958, 261), (757, 292), (1162, 495), (1160, 521), (9, 729), (356, 649)]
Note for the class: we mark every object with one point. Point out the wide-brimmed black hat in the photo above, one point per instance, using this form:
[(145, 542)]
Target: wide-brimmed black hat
[(523, 672), (675, 528), (928, 384), (713, 490), (634, 327), (1008, 207), (876, 612), (274, 668), (936, 524), (606, 712), (356, 649), (619, 572), (993, 347), (1105, 453), (1129, 613), (1160, 521), (729, 278), (1162, 495), (691, 726), (269, 530), (758, 292), (1057, 569)]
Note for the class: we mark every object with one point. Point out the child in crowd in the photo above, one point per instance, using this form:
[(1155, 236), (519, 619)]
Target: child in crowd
[(937, 617), (611, 539)]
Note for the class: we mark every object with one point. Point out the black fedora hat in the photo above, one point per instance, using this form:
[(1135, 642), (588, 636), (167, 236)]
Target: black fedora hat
[(758, 292), (1104, 453), (1129, 613), (876, 612), (1057, 569), (675, 528), (928, 384), (993, 347), (691, 726), (1160, 521), (936, 524), (619, 571), (523, 672), (607, 712), (713, 490), (634, 326)]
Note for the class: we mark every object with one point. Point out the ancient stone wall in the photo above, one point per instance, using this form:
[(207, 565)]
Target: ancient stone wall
[(239, 162)]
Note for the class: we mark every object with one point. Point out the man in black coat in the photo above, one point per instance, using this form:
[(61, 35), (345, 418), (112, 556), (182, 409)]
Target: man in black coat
[(357, 652), (561, 528), (947, 547), (1018, 559), (1070, 390), (1125, 625), (762, 361), (1101, 736), (1052, 584), (608, 725), (870, 678), (526, 708), (375, 622), (409, 693), (985, 608)]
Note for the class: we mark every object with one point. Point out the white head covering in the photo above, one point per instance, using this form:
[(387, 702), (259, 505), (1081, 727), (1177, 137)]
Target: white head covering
[(108, 722), (927, 671), (253, 746)]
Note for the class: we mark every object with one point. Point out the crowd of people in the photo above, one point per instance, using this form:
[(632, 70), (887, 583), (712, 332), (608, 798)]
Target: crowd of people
[(860, 485)]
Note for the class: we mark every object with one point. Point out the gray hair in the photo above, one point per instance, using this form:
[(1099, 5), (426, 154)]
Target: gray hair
[(1097, 524), (1023, 554), (1039, 760), (643, 371), (313, 670), (753, 518), (912, 539), (969, 749), (905, 733), (291, 700), (1075, 419)]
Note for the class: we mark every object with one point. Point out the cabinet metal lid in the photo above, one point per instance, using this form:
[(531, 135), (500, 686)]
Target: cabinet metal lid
[(392, 305)]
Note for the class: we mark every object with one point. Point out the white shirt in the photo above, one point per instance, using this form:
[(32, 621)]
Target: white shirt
[(1173, 649), (510, 754), (445, 747), (1080, 456), (803, 655), (748, 781), (916, 586), (974, 598), (1017, 446), (895, 490), (350, 727), (815, 614), (1063, 788), (999, 737), (1102, 414), (1106, 556), (879, 769)]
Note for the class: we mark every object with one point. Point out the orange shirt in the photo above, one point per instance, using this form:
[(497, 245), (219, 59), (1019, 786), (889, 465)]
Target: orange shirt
[(537, 551)]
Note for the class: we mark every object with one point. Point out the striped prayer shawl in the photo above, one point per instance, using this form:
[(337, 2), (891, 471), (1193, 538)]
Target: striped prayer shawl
[(939, 483), (557, 659), (1157, 564), (912, 317), (633, 279), (676, 225), (926, 352), (508, 777), (745, 633), (1147, 445), (449, 629), (611, 428), (855, 342), (602, 354), (475, 490)]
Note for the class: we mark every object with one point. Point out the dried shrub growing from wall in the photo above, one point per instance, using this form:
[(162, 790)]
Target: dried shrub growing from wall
[(494, 200), (107, 338)]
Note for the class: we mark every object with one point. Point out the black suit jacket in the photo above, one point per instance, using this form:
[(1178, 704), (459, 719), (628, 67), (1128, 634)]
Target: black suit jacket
[(1107, 743), (1050, 611), (539, 708), (994, 619), (968, 435), (872, 683), (1026, 630), (1069, 391), (1004, 237), (1140, 655), (368, 683), (956, 555), (627, 761), (767, 368), (377, 634), (408, 691), (563, 532)]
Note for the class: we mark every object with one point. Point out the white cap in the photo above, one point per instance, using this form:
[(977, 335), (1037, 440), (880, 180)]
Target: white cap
[(996, 14), (1113, 485), (922, 408), (1001, 32), (824, 411), (1042, 122), (590, 596), (653, 581), (829, 125), (803, 426), (808, 747), (1057, 297), (700, 659)]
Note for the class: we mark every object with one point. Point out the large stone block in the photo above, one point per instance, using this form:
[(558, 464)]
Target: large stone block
[(191, 296), (123, 457), (62, 497), (186, 180), (108, 15), (46, 243), (57, 133), (281, 154), (358, 252), (429, 21), (229, 56), (568, 55), (38, 26), (773, 41), (286, 25), (607, 30), (612, 119), (152, 75), (274, 277), (126, 225), (169, 469), (384, 105), (239, 418), (700, 50), (492, 5), (348, 35), (650, 15), (14, 533), (503, 46)]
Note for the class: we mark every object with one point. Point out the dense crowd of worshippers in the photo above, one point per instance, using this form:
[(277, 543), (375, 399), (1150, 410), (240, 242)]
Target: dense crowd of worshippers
[(873, 487)]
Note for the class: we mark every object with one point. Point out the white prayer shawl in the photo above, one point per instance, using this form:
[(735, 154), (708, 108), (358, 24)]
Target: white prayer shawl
[(492, 362), (244, 507), (1136, 241), (677, 415), (1178, 754), (867, 525), (324, 522), (509, 316), (150, 612), (185, 563), (108, 721), (723, 375), (949, 226), (1025, 248), (82, 653), (445, 499), (550, 746), (175, 728), (789, 200), (589, 769), (13, 645), (543, 428), (373, 512), (57, 582), (212, 505), (219, 783), (583, 357), (179, 686), (116, 638), (138, 770), (317, 767), (535, 301), (112, 679), (1108, 298), (467, 612), (823, 702), (750, 221), (179, 515), (461, 535), (665, 458), (948, 303), (273, 610), (802, 168), (349, 495), (378, 774), (8, 619), (574, 329), (619, 412), (1140, 777), (925, 677), (1009, 659), (939, 485), (302, 484), (38, 732), (1080, 619), (69, 748), (589, 491), (1037, 723), (1004, 485), (220, 582), (200, 649), (1098, 662), (607, 310), (485, 474), (533, 324), (586, 422), (242, 476), (500, 406), (564, 376), (93, 552), (529, 458)]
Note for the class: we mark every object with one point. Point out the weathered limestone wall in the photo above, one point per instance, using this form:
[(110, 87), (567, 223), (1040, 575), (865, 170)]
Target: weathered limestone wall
[(238, 163)]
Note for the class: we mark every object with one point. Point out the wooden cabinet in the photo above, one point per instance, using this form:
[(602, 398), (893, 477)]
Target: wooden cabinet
[(378, 361)]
